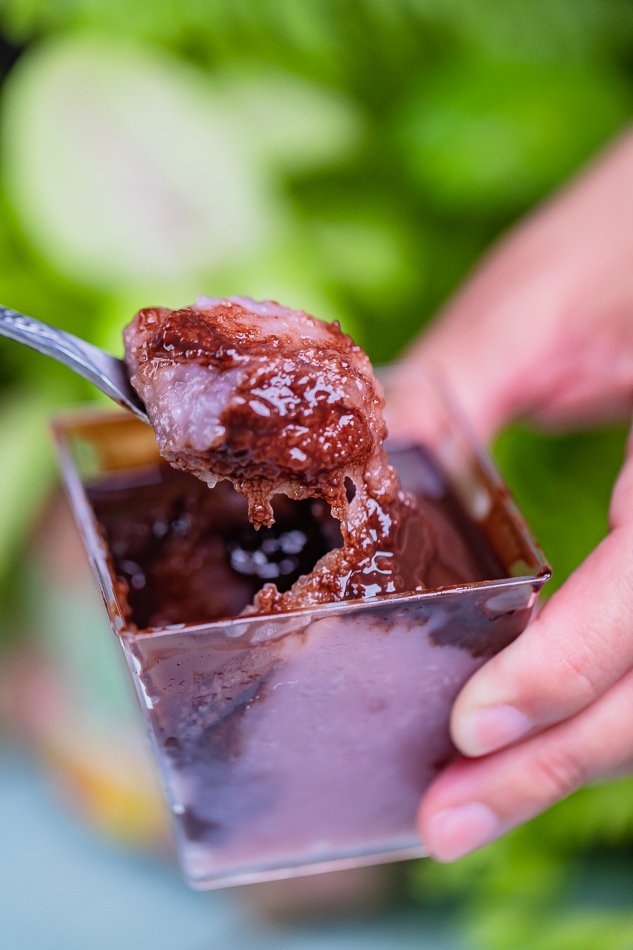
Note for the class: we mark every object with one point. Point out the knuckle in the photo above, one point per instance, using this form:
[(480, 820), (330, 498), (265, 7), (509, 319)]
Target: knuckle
[(583, 673), (556, 773)]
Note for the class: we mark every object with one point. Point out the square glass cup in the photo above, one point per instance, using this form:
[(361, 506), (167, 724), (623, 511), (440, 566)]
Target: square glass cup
[(303, 741)]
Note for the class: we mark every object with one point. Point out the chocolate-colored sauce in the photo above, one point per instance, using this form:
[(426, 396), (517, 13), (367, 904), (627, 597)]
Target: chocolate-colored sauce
[(186, 554), (270, 398), (278, 402)]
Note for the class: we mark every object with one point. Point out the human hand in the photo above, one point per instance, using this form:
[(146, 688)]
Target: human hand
[(544, 330)]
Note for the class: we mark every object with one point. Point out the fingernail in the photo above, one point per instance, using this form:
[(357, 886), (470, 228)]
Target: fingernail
[(455, 832), (491, 728)]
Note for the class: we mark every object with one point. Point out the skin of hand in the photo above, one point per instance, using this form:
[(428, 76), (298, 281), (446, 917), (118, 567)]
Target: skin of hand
[(543, 331)]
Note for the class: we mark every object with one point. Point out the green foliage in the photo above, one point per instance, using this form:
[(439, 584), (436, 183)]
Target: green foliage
[(109, 151), (25, 471), (513, 929), (562, 483), (550, 884), (478, 138), (353, 157)]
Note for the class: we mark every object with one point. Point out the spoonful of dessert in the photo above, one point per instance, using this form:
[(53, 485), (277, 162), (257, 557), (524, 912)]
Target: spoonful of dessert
[(108, 373), (276, 402), (279, 402)]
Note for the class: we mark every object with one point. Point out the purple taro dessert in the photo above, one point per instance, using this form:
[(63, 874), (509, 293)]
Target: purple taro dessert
[(296, 644), (279, 402)]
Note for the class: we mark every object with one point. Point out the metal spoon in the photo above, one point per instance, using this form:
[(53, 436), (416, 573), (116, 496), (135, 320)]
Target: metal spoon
[(108, 373)]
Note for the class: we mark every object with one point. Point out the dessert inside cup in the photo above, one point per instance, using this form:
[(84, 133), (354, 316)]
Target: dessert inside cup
[(298, 600)]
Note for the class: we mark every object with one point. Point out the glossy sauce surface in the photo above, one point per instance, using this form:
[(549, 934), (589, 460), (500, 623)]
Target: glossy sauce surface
[(278, 402), (184, 553)]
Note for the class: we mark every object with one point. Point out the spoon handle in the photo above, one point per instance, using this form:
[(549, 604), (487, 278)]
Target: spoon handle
[(105, 371)]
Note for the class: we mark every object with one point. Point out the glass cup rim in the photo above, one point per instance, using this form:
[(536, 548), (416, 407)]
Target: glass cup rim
[(65, 420)]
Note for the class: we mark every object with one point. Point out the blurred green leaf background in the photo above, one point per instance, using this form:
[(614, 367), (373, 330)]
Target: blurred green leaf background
[(350, 158)]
